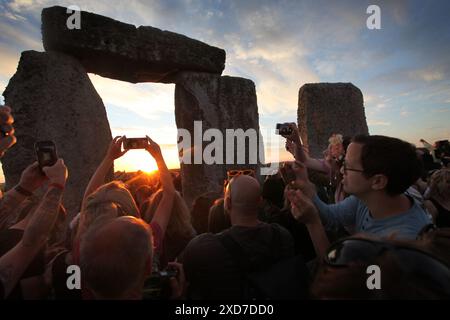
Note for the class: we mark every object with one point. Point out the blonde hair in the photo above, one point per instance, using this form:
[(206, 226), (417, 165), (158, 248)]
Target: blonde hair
[(440, 184), (108, 201), (180, 218)]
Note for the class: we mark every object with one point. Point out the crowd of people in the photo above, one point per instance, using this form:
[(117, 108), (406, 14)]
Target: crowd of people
[(310, 231)]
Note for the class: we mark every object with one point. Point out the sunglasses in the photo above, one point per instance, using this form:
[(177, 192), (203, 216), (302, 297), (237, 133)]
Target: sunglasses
[(233, 173), (413, 261)]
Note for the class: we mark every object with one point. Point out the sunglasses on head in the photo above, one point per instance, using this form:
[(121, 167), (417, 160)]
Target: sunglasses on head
[(234, 173), (246, 172)]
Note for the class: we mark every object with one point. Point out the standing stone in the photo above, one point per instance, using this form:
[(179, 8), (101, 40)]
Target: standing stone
[(121, 51), (219, 103), (52, 98), (327, 108)]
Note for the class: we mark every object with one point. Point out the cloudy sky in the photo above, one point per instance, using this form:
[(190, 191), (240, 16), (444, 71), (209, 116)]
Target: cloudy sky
[(403, 69)]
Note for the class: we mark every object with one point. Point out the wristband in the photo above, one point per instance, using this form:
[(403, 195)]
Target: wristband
[(56, 185), (23, 191)]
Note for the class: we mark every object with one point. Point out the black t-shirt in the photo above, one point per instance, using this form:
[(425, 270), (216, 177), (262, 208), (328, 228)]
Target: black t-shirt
[(2, 291), (211, 271), (302, 241), (9, 238), (443, 216), (59, 280)]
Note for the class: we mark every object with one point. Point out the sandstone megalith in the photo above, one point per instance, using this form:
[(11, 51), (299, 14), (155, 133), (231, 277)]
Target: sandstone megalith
[(219, 103), (53, 99), (327, 108), (121, 51)]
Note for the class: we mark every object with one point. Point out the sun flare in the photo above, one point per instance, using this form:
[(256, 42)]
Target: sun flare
[(135, 160)]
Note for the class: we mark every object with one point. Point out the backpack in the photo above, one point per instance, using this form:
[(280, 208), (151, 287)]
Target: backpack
[(284, 279)]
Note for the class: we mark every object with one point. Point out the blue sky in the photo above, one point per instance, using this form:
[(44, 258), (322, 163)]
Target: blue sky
[(403, 69)]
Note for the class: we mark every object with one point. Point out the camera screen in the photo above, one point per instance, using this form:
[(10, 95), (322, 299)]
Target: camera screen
[(46, 156)]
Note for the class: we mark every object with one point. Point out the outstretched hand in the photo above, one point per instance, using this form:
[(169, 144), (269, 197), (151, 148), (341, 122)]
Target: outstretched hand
[(302, 207), (302, 181), (290, 147), (115, 148), (294, 136), (57, 173), (32, 178), (153, 148), (178, 283)]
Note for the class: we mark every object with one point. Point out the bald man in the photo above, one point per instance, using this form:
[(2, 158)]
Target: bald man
[(211, 270)]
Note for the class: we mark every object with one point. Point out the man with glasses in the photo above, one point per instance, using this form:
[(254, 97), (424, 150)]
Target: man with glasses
[(377, 171)]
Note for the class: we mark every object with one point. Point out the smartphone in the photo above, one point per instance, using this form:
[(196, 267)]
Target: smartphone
[(45, 153), (135, 143), (283, 129)]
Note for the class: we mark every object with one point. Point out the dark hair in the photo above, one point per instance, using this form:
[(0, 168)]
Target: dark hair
[(273, 190), (346, 141), (392, 157), (200, 210)]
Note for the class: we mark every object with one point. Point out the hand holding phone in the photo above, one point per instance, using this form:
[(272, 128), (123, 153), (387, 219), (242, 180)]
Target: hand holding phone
[(287, 173)]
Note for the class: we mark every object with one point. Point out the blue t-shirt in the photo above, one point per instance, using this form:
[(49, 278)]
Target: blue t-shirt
[(353, 214)]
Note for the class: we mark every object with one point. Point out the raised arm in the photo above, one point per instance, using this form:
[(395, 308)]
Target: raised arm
[(304, 211), (295, 146), (164, 210), (30, 180), (98, 179), (15, 261), (332, 216)]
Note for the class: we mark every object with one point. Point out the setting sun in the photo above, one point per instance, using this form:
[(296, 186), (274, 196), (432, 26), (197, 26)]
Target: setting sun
[(135, 160)]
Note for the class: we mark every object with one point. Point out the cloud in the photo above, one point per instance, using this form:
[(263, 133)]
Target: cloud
[(325, 68), (280, 45), (145, 100), (428, 74), (12, 16), (404, 112), (378, 123), (21, 37), (8, 62), (441, 110)]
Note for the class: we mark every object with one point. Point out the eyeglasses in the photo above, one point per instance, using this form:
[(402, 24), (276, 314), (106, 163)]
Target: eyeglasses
[(344, 166), (415, 261)]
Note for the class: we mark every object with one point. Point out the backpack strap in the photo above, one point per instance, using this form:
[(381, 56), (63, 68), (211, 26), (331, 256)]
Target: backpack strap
[(276, 242), (238, 254), (240, 258), (235, 250)]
